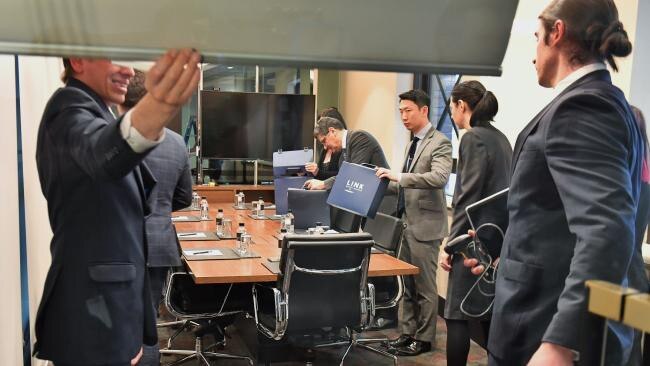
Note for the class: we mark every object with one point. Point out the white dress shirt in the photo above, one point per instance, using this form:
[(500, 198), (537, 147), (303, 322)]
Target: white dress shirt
[(134, 138)]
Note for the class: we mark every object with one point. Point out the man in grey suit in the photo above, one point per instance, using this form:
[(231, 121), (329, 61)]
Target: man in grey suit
[(573, 197), (421, 204), (357, 147), (170, 167)]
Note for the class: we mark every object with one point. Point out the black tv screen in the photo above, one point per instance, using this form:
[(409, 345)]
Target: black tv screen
[(254, 125)]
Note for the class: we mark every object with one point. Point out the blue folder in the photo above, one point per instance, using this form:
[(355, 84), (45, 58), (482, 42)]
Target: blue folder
[(291, 162), (358, 190)]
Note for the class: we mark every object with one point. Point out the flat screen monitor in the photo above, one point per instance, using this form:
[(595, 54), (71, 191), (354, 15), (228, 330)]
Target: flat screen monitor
[(254, 125)]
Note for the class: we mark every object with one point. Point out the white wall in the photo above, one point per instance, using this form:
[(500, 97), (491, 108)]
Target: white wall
[(39, 78), (10, 333), (519, 95), (368, 101), (640, 83)]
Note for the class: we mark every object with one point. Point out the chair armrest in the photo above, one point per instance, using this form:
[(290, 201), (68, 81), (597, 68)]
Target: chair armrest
[(281, 314)]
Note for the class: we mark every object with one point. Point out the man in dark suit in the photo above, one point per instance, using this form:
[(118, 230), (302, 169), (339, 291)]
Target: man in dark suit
[(422, 205), (573, 196), (170, 166), (96, 305), (357, 147)]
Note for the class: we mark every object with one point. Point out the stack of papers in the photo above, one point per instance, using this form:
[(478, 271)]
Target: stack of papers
[(190, 235), (202, 252)]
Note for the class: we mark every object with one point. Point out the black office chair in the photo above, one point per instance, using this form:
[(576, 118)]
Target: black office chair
[(344, 221), (313, 267), (203, 309), (387, 232), (308, 207)]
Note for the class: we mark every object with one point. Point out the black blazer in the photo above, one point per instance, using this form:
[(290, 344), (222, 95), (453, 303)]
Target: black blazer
[(483, 169), (169, 163), (329, 169), (96, 306), (572, 204), (485, 156), (361, 147)]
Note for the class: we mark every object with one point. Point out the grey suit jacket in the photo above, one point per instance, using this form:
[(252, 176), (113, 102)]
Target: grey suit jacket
[(424, 183), (170, 166), (361, 148), (572, 204)]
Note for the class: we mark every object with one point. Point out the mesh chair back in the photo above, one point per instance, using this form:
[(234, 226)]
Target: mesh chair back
[(324, 278)]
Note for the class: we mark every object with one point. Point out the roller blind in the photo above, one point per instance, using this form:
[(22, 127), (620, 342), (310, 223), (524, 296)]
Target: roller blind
[(437, 36)]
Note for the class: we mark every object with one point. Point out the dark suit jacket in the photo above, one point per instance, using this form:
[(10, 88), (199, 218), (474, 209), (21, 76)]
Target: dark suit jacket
[(169, 163), (361, 147), (483, 169), (572, 204), (96, 307)]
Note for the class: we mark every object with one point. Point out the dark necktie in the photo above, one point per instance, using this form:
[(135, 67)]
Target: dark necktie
[(401, 203)]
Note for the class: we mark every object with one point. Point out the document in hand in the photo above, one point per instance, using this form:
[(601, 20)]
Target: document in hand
[(358, 190)]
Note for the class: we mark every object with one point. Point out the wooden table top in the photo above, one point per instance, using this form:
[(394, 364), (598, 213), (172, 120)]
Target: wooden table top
[(265, 244)]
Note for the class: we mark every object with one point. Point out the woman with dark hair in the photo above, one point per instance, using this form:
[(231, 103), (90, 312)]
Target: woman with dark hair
[(328, 161), (483, 169)]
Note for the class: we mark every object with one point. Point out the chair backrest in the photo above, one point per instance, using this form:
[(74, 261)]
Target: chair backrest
[(309, 207), (386, 231), (281, 187), (344, 221), (324, 279)]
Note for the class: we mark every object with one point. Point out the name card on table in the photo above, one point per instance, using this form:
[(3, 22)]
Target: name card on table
[(358, 190)]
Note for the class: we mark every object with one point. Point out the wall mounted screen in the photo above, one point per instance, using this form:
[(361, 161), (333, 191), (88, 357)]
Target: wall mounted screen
[(254, 125)]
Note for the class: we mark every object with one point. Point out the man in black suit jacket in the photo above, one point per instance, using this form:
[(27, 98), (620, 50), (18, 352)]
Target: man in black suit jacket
[(170, 166), (573, 196), (357, 147), (96, 306)]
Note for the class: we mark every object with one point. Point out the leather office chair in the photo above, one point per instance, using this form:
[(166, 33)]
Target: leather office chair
[(344, 221), (313, 267), (308, 207), (203, 309), (387, 232)]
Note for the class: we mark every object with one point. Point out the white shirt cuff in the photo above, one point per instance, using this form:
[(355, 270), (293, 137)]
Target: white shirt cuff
[(399, 177), (134, 138)]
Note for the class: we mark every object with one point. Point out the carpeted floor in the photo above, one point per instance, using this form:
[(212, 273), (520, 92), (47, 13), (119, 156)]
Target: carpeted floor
[(242, 340)]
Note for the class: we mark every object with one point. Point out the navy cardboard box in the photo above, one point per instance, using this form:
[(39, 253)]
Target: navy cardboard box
[(358, 190)]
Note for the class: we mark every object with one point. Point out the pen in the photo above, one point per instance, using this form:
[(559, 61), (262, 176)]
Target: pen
[(186, 234), (201, 252)]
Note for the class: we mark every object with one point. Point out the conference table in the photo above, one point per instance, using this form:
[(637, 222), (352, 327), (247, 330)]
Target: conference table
[(263, 233)]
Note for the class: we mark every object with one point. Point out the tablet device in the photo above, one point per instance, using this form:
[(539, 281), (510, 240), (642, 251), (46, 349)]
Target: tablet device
[(490, 214)]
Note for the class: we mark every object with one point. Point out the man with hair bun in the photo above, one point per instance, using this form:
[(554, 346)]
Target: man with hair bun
[(573, 197)]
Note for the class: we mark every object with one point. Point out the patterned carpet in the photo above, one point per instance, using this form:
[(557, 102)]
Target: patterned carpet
[(242, 338)]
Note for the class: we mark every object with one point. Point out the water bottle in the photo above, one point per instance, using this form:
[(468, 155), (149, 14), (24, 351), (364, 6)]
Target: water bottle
[(239, 198), (283, 232), (204, 209), (241, 230), (219, 220), (260, 207), (195, 201), (319, 228), (288, 222)]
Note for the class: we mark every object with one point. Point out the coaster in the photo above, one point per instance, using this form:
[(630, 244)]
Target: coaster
[(221, 237), (188, 209), (255, 217), (186, 219)]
